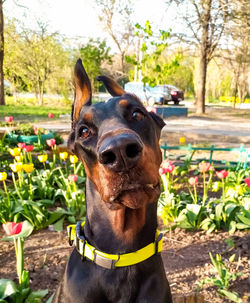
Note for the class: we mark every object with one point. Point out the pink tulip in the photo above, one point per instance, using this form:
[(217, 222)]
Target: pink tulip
[(21, 145), (204, 167), (167, 166), (50, 115), (247, 181), (12, 228), (222, 174), (8, 119), (72, 178), (28, 148), (51, 142), (193, 181), (35, 129)]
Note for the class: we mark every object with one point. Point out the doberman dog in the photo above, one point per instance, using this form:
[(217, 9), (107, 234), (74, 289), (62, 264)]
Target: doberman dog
[(118, 260)]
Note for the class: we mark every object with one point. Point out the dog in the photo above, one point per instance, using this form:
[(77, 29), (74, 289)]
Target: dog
[(116, 258)]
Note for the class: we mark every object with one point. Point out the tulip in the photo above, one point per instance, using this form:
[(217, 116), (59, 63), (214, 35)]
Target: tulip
[(43, 158), (73, 159), (21, 145), (16, 167), (167, 167), (12, 228), (28, 148), (51, 142), (222, 174), (193, 181), (204, 167), (17, 232), (28, 168), (182, 140), (8, 119), (35, 129), (3, 176), (19, 158), (247, 181), (15, 151), (50, 115), (63, 155), (72, 178)]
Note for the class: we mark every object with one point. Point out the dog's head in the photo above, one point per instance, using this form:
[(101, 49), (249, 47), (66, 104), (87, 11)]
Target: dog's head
[(118, 143)]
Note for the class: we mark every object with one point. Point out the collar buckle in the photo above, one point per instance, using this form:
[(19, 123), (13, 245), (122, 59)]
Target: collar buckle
[(105, 262)]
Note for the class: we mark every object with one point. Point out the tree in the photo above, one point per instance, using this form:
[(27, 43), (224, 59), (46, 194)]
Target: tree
[(205, 21), (237, 53), (42, 57), (94, 55), (147, 63), (116, 18), (36, 60)]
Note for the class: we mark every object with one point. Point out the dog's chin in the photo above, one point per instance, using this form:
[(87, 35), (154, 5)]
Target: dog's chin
[(135, 198)]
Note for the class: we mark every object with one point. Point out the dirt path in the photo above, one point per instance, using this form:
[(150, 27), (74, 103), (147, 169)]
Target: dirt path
[(185, 257)]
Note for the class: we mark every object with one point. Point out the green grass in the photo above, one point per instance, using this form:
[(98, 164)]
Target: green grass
[(31, 113)]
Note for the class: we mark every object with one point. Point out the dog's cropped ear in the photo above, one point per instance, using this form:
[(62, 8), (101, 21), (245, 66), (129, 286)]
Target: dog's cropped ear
[(83, 91), (112, 87), (159, 122)]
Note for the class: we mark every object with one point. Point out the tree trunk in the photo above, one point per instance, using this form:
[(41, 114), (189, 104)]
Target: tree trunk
[(2, 101), (201, 93), (200, 101)]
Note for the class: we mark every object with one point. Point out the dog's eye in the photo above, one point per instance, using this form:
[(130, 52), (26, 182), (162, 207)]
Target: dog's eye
[(138, 115), (85, 132)]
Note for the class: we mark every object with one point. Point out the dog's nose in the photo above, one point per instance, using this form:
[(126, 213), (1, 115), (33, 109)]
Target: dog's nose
[(121, 152)]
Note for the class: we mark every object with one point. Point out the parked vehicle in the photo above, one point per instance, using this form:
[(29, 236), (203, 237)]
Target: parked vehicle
[(170, 93), (145, 93)]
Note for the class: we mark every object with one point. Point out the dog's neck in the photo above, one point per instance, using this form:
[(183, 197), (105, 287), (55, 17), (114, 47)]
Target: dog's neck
[(118, 231)]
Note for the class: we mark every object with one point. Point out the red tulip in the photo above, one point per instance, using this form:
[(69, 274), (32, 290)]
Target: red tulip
[(222, 174), (28, 148), (50, 115), (167, 167), (204, 167), (51, 142), (21, 145), (247, 181), (193, 180), (72, 178), (35, 129), (8, 119), (12, 228)]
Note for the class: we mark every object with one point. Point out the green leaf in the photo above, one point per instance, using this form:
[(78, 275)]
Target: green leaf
[(232, 227), (36, 296), (241, 226), (7, 288), (50, 299), (195, 208), (58, 226), (231, 295), (244, 220)]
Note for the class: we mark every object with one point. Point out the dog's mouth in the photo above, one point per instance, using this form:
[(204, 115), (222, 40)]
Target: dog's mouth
[(134, 196)]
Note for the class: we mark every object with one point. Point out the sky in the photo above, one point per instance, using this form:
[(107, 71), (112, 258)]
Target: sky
[(79, 18)]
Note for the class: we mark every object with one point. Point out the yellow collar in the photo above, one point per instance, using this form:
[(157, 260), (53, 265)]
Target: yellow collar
[(111, 261)]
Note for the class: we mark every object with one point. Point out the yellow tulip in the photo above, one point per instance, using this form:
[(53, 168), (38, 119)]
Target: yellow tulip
[(16, 167), (73, 159), (18, 158), (3, 176), (43, 158), (63, 155), (182, 140), (15, 151), (28, 168)]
